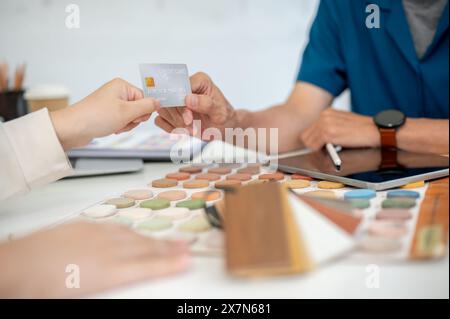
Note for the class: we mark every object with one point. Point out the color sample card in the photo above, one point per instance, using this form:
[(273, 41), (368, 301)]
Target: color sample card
[(168, 83)]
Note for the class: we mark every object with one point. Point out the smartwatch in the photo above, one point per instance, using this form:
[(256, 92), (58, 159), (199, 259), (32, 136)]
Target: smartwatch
[(388, 123)]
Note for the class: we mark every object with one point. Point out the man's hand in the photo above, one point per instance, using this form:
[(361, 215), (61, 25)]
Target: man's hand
[(114, 108), (341, 128), (107, 256), (207, 104)]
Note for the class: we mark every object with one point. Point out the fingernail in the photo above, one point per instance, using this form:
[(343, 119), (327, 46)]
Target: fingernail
[(187, 117), (192, 101)]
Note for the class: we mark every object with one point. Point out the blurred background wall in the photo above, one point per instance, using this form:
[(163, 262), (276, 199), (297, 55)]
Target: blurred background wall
[(251, 48)]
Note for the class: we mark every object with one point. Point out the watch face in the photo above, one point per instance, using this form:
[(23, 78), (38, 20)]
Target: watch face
[(390, 119)]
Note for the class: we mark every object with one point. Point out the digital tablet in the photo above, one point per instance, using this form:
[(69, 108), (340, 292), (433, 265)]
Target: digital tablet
[(144, 145), (376, 169)]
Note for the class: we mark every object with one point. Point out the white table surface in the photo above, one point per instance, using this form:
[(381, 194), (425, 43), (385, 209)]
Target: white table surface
[(206, 278)]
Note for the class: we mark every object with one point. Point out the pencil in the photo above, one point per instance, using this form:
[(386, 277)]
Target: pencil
[(18, 77), (3, 77)]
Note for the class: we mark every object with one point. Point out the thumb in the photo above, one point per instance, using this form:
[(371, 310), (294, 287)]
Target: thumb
[(141, 107), (202, 104)]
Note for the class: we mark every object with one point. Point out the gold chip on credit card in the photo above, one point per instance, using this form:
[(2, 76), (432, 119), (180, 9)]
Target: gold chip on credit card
[(150, 82)]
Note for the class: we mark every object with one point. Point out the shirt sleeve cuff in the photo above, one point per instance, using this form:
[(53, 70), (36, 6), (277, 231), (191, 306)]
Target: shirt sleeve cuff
[(37, 149)]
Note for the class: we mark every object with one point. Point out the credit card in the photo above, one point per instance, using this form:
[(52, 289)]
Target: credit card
[(168, 83)]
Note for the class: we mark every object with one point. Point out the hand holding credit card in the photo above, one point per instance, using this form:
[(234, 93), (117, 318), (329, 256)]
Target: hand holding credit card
[(168, 83)]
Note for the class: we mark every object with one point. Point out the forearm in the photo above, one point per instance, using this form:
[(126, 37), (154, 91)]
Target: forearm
[(70, 128), (30, 154), (424, 135), (302, 108), (12, 275), (287, 122)]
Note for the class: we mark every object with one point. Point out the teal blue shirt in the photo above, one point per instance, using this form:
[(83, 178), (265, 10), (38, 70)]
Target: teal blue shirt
[(378, 65)]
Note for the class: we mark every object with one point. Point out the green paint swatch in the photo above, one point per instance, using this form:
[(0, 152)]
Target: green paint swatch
[(122, 220), (399, 203), (192, 204), (196, 225), (155, 224), (359, 203), (155, 204)]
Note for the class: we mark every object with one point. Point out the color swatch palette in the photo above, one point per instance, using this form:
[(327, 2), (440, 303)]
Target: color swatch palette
[(173, 207)]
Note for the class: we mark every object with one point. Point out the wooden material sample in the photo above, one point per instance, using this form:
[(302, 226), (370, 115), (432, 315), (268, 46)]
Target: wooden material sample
[(262, 238), (431, 233)]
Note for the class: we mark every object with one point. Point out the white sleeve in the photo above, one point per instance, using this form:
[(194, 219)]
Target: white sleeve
[(30, 154)]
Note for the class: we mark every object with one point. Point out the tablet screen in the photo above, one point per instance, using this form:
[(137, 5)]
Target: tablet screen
[(368, 165)]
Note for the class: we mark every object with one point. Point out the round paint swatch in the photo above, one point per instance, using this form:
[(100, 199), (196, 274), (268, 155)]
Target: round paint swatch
[(199, 183), (219, 170), (230, 165), (394, 214), (100, 211), (121, 202), (155, 204), (197, 224), (360, 194), (380, 244), (174, 213), (180, 176), (227, 184), (322, 194), (298, 176), (192, 204), (239, 177), (252, 170), (138, 194), (155, 224), (388, 229), (399, 203), (208, 177), (258, 181), (414, 185), (330, 185), (164, 183), (121, 220), (173, 195), (136, 213), (191, 169), (359, 203), (296, 184), (403, 193), (207, 195), (272, 176)]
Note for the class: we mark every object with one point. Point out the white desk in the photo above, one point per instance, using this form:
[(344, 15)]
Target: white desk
[(206, 277)]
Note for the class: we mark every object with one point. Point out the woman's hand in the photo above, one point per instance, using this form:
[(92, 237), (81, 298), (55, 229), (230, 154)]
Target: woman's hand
[(46, 264), (114, 108)]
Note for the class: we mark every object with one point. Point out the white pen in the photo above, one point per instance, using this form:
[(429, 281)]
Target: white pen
[(334, 155)]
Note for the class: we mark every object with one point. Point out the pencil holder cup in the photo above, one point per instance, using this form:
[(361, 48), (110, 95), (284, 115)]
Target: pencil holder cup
[(53, 97), (12, 105)]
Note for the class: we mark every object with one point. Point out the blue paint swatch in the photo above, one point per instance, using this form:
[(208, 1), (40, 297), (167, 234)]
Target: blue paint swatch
[(403, 193), (360, 194)]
